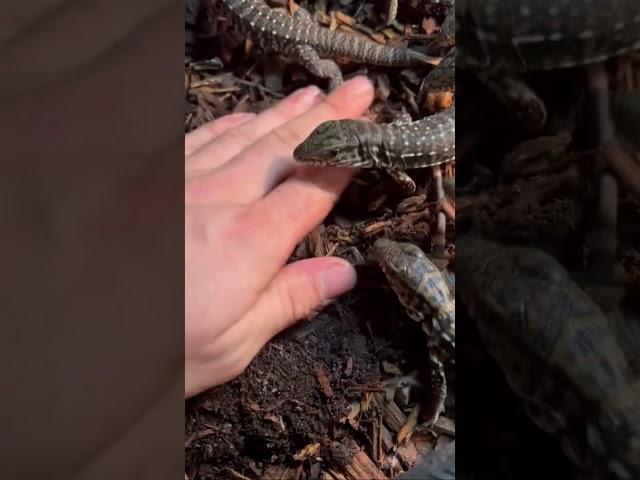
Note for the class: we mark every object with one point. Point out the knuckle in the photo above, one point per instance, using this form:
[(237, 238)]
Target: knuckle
[(331, 109), (237, 136), (298, 298), (246, 224), (288, 135)]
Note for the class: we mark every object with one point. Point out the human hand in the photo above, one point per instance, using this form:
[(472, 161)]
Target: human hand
[(247, 205)]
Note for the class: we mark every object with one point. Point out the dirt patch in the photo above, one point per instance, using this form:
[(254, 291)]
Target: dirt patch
[(301, 390)]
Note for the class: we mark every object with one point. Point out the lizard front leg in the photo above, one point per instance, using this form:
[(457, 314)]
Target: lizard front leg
[(518, 97), (402, 120), (392, 12), (303, 15), (306, 56), (402, 179), (437, 386)]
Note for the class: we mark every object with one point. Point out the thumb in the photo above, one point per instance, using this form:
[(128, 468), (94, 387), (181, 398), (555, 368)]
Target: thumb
[(301, 287)]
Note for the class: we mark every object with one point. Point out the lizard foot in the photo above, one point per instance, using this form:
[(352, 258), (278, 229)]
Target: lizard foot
[(403, 180), (306, 56)]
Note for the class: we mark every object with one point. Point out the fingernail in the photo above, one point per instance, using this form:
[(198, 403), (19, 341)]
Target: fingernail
[(337, 278), (309, 95), (359, 85)]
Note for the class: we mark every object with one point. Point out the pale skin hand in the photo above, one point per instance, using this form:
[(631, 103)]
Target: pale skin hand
[(247, 205)]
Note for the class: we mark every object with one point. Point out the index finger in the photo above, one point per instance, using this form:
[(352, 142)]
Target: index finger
[(256, 170)]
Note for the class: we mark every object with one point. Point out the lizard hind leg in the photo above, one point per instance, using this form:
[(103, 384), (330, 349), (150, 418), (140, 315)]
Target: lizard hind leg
[(306, 56)]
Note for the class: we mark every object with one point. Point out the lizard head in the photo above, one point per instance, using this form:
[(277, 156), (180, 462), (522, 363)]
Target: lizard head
[(335, 143), (419, 286)]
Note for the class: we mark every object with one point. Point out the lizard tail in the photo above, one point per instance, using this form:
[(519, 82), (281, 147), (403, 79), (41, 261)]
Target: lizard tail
[(367, 51), (397, 57)]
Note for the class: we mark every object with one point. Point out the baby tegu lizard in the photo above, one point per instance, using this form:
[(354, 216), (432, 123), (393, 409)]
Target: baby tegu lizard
[(309, 44), (424, 293), (393, 147), (557, 352)]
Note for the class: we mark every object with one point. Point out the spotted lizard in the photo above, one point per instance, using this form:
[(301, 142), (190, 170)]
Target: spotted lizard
[(557, 351), (500, 40), (393, 147), (423, 291), (311, 45)]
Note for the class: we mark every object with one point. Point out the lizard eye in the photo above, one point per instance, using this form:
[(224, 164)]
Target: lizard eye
[(332, 152)]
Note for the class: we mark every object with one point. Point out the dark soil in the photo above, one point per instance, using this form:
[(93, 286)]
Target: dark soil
[(280, 405)]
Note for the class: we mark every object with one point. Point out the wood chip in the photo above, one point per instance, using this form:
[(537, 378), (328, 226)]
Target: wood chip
[(362, 467), (383, 87), (306, 452), (375, 442), (438, 100), (365, 403), (408, 427), (349, 30), (389, 33), (445, 425), (408, 454), (333, 475), (429, 25), (391, 464), (323, 380), (317, 241), (413, 218), (391, 413), (386, 439), (333, 24), (237, 475), (374, 229), (248, 44), (380, 37), (355, 409), (277, 419), (344, 19), (279, 472)]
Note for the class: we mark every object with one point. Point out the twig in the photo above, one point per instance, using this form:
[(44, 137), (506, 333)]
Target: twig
[(439, 240), (259, 87), (447, 207)]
